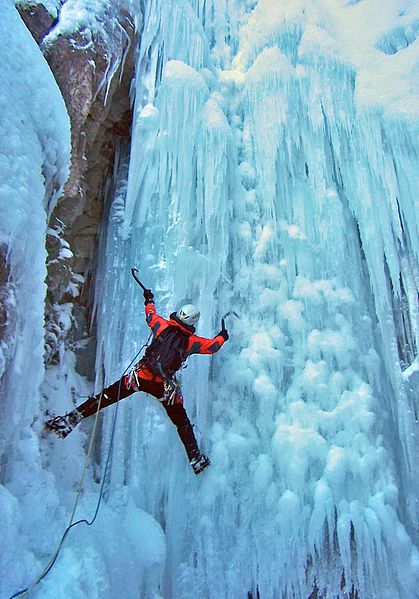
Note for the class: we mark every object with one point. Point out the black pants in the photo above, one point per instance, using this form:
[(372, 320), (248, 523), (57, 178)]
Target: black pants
[(175, 411)]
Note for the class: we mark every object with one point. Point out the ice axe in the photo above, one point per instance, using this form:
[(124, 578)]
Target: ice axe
[(229, 313), (133, 272)]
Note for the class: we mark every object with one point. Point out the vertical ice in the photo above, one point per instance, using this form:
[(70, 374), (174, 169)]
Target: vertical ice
[(272, 171), (268, 177), (34, 162)]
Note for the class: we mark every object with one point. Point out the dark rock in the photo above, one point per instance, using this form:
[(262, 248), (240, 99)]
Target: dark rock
[(100, 115), (7, 310), (37, 19), (4, 278)]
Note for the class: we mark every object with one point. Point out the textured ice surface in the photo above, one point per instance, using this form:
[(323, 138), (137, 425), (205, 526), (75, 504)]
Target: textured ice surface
[(276, 176), (273, 171)]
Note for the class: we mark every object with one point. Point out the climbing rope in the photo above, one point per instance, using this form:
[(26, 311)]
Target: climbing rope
[(72, 524)]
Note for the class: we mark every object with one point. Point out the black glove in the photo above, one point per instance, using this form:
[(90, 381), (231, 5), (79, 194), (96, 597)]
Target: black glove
[(223, 333), (148, 297)]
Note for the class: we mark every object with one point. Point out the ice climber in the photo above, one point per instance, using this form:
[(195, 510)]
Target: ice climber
[(173, 341)]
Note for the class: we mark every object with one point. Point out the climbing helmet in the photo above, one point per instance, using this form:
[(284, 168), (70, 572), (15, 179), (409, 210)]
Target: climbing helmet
[(189, 314)]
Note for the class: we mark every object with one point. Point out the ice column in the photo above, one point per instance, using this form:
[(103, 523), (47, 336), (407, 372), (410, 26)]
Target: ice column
[(259, 181), (34, 161)]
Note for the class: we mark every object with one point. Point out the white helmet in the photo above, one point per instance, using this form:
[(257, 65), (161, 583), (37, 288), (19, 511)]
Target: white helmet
[(188, 314)]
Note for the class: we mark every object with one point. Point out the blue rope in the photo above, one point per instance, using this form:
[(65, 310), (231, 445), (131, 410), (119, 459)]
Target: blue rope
[(102, 486)]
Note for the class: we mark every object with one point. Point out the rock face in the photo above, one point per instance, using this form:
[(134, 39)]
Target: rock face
[(100, 114), (7, 312)]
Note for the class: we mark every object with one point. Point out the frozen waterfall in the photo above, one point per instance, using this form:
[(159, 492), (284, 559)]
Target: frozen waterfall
[(273, 171), (264, 179)]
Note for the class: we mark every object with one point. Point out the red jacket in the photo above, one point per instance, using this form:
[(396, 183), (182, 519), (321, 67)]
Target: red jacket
[(196, 345)]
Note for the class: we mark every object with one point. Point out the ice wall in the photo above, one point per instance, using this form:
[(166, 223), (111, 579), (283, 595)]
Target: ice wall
[(40, 475), (34, 160), (273, 171)]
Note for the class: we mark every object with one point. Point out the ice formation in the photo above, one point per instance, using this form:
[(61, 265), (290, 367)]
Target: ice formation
[(272, 171)]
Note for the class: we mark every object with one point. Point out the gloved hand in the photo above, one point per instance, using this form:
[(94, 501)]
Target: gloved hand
[(223, 333), (148, 297)]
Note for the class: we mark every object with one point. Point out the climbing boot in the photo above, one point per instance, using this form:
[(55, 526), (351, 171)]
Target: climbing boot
[(199, 463), (63, 425)]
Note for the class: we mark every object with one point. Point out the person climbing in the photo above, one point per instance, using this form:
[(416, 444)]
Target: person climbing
[(173, 341)]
